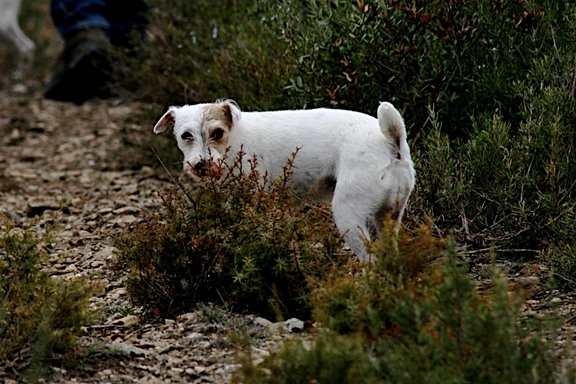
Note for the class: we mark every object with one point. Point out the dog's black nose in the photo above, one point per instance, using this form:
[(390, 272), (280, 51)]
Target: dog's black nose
[(200, 168)]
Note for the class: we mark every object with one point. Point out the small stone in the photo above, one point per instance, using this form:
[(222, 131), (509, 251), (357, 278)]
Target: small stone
[(147, 171), (554, 302), (106, 253), (204, 344), (97, 264), (170, 322), (20, 88), (61, 269), (86, 179), (126, 210), (120, 112), (294, 325), (127, 321), (125, 220), (128, 349), (199, 369), (117, 293), (187, 317), (195, 336), (265, 323), (37, 206)]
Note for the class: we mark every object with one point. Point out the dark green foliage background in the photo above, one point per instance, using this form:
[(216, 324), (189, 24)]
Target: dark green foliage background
[(486, 89)]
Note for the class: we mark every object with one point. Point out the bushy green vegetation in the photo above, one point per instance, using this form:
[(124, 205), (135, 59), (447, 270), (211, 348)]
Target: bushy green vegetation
[(487, 91), (40, 316), (461, 58), (202, 50), (236, 241), (412, 319)]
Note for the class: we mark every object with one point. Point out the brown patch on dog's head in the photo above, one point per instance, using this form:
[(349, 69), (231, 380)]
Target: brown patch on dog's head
[(230, 110), (219, 120), (227, 110), (218, 112)]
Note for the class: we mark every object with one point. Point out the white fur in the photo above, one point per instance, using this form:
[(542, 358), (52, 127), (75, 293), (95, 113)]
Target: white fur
[(366, 159), (9, 10)]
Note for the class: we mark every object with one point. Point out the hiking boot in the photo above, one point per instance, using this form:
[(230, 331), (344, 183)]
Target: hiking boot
[(82, 70)]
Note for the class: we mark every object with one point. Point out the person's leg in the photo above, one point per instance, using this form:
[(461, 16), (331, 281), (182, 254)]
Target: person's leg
[(88, 28), (73, 16), (119, 18)]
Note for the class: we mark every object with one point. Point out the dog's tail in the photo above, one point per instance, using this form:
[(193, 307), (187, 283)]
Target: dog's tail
[(392, 126), (398, 177)]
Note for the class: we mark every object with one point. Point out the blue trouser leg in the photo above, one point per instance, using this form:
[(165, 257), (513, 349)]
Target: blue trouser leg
[(71, 16), (117, 17)]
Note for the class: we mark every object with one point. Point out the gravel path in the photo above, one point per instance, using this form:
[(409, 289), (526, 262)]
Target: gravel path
[(57, 165)]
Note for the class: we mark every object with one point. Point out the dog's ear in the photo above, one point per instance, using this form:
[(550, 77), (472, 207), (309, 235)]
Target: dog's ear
[(232, 112), (166, 121)]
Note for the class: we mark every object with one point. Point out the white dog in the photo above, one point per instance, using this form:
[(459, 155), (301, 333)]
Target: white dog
[(9, 11), (362, 163)]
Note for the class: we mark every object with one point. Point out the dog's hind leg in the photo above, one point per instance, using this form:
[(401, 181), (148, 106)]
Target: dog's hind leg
[(351, 220)]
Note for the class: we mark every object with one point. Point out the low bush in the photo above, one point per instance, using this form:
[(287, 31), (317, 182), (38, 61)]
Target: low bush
[(241, 241), (510, 184), (415, 317), (201, 51), (40, 317)]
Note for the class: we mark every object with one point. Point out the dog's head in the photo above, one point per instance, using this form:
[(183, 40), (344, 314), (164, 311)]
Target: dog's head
[(202, 132)]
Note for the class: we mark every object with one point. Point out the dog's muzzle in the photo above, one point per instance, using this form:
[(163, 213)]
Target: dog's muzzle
[(201, 168)]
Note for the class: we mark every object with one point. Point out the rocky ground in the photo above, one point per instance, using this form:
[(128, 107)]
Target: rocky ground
[(61, 167), (65, 167)]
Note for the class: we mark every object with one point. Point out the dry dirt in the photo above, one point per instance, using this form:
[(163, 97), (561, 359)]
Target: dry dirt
[(59, 167)]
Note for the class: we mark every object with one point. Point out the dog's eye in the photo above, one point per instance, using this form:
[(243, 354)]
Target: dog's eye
[(187, 136), (217, 134)]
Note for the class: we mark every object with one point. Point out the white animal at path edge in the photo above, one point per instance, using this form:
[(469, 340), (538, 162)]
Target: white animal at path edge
[(360, 163), (9, 26)]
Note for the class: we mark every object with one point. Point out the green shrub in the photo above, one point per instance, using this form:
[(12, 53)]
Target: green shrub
[(238, 241), (203, 50), (510, 183), (40, 317), (460, 58), (331, 358), (415, 317), (560, 257)]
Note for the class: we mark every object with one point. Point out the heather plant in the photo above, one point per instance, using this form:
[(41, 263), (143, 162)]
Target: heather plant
[(40, 317), (509, 185), (462, 59), (413, 317), (242, 241)]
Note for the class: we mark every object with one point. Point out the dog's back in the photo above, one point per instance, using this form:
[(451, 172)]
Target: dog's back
[(326, 139)]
